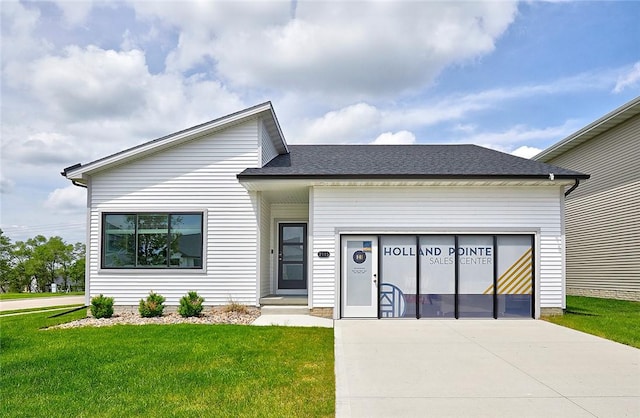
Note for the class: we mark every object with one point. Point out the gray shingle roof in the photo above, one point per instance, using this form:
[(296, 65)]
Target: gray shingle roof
[(402, 161)]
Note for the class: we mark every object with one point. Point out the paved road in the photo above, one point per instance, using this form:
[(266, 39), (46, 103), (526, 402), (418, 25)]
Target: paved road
[(480, 368), (10, 305)]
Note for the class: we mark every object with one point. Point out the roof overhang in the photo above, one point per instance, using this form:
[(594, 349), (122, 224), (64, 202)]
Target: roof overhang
[(262, 111), (265, 184), (608, 121)]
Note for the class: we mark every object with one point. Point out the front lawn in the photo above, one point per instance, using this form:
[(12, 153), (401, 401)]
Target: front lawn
[(163, 370), (15, 295), (616, 320)]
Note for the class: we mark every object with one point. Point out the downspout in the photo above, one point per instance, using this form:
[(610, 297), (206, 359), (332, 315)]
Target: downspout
[(575, 186)]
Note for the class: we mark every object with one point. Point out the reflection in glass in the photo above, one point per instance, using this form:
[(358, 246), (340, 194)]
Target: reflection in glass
[(292, 272), (152, 240), (292, 234), (475, 269), (292, 252), (515, 276), (437, 276), (398, 279), (119, 240)]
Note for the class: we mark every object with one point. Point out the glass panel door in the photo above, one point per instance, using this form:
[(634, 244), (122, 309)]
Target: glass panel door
[(359, 277), (292, 256), (437, 276), (398, 279), (475, 269), (515, 276)]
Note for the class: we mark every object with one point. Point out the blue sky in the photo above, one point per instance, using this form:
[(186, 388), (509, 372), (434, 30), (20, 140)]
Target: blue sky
[(84, 79)]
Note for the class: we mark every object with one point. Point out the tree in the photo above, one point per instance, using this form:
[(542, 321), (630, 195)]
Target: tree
[(6, 261), (33, 264)]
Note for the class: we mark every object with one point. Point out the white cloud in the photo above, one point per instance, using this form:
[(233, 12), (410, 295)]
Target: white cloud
[(6, 185), (75, 12), (19, 46), (526, 151), (520, 133), (90, 82), (44, 148), (392, 47), (350, 124), (399, 138), (630, 78), (69, 199)]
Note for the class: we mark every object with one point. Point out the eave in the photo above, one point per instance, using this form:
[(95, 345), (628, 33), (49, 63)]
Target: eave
[(605, 123), (264, 111)]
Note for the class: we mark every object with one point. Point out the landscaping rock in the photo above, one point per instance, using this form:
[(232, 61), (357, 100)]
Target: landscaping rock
[(216, 315)]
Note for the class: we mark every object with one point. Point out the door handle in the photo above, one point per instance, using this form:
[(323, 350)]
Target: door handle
[(280, 256)]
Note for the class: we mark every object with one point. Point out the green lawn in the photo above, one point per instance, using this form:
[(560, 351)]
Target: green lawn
[(7, 296), (616, 320), (164, 370)]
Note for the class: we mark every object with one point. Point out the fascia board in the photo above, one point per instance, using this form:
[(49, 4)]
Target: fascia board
[(165, 142), (603, 124)]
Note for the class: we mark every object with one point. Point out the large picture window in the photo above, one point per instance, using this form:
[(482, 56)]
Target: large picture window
[(152, 240)]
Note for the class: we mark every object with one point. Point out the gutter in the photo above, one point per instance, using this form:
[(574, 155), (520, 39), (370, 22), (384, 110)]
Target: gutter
[(74, 182)]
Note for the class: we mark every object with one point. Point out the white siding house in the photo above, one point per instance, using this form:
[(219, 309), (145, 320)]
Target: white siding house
[(228, 209), (603, 214)]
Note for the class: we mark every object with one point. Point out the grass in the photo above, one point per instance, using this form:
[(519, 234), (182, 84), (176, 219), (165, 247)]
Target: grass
[(615, 320), (164, 370), (7, 296)]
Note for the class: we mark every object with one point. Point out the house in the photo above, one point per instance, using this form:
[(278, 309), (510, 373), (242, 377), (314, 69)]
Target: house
[(603, 215), (230, 210)]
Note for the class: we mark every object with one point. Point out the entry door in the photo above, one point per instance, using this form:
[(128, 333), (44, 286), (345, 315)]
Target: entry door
[(360, 277), (292, 256)]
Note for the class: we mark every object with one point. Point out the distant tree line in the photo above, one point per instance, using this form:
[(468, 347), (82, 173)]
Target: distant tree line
[(33, 265)]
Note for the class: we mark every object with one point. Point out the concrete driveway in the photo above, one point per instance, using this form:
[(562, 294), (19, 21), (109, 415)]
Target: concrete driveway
[(28, 303), (481, 368)]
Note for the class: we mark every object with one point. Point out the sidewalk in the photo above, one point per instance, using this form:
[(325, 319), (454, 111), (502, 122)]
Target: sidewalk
[(14, 304)]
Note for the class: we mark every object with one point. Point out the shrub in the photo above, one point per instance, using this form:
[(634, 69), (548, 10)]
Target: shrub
[(234, 306), (101, 306), (153, 306), (190, 305)]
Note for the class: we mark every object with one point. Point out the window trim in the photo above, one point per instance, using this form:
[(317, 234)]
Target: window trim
[(146, 269)]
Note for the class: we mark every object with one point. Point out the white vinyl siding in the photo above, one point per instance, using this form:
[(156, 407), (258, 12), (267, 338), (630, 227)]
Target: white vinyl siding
[(603, 213), (267, 149), (197, 176), (265, 247), (371, 210)]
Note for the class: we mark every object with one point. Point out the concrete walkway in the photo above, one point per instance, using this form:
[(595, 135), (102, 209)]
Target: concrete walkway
[(480, 368), (13, 304)]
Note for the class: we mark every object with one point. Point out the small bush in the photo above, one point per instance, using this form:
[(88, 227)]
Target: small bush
[(190, 305), (101, 307), (153, 306)]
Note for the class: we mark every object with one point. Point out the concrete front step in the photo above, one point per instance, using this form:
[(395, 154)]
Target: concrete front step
[(284, 310), (288, 300)]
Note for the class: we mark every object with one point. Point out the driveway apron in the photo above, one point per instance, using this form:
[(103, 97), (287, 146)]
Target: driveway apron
[(481, 368)]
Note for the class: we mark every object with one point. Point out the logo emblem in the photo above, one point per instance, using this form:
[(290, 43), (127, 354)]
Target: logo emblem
[(359, 257)]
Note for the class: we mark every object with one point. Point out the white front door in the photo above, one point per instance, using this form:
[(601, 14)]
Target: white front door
[(360, 276)]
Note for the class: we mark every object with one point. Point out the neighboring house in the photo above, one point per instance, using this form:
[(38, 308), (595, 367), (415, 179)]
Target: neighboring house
[(603, 215), (228, 209)]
